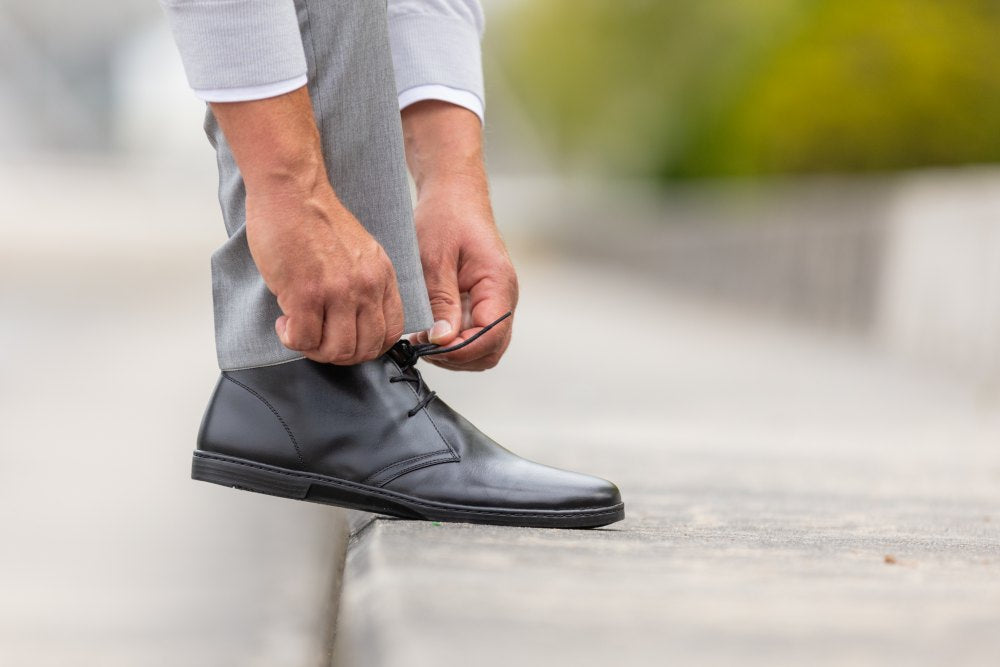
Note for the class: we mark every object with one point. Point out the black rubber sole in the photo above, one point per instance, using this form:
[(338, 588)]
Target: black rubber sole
[(272, 480)]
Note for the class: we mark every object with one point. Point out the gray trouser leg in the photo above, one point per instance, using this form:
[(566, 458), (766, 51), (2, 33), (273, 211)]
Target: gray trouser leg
[(354, 98)]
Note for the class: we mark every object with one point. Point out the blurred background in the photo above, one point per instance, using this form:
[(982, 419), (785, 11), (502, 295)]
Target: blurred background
[(825, 168)]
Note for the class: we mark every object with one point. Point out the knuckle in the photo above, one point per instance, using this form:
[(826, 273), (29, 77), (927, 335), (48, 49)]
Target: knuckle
[(309, 294), (393, 305), (335, 352), (509, 281), (341, 285), (344, 355), (388, 270), (303, 341), (382, 259), (368, 280), (394, 333), (442, 297)]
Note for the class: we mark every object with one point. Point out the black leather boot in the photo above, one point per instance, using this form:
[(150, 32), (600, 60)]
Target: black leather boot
[(373, 437)]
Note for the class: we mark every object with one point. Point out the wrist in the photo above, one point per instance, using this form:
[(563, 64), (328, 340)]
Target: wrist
[(444, 146), (286, 175), (453, 181), (275, 142)]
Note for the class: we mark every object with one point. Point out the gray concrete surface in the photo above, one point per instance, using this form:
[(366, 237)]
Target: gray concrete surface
[(791, 499), (110, 556)]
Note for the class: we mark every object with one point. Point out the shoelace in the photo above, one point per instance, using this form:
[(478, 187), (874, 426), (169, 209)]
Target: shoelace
[(412, 353)]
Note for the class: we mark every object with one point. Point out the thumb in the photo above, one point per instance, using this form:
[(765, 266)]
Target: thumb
[(442, 288), (281, 328), (301, 332)]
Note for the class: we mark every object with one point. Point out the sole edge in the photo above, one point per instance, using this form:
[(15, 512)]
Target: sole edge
[(271, 480)]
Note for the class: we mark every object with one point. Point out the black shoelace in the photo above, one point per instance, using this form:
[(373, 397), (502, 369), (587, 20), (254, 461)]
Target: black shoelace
[(412, 353)]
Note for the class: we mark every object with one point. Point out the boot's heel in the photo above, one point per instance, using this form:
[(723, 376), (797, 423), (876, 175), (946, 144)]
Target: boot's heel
[(248, 476)]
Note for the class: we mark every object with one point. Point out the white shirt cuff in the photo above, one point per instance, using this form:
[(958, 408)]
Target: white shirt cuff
[(435, 91), (247, 93)]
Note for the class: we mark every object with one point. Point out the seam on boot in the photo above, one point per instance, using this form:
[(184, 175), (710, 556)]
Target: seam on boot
[(284, 424), (407, 465)]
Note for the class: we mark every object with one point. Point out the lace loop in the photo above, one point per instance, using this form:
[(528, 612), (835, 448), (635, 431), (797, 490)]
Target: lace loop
[(410, 354)]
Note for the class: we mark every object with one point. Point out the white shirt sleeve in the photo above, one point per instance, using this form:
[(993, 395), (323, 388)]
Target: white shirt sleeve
[(435, 91), (247, 93), (435, 50), (237, 44), (436, 53)]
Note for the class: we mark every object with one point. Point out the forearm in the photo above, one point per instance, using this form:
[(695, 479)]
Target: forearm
[(444, 147), (275, 142)]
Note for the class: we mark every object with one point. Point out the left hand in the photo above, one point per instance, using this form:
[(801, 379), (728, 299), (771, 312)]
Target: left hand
[(466, 264), (463, 256)]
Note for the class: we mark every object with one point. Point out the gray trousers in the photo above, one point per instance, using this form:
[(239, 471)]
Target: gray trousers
[(353, 94)]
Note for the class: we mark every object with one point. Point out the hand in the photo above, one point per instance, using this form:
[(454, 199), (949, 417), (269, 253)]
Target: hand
[(462, 253), (469, 275), (334, 283)]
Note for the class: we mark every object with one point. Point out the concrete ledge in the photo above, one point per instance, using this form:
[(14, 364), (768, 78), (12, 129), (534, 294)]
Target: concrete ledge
[(791, 499)]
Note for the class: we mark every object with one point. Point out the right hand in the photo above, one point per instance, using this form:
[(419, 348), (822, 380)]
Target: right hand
[(333, 281)]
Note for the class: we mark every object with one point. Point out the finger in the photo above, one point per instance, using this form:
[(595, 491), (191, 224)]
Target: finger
[(467, 321), (485, 352), (300, 329), (339, 336), (476, 366), (392, 315), (418, 338), (489, 300), (370, 332), (441, 277)]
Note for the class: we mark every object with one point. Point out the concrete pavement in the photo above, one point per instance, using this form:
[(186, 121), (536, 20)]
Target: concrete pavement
[(791, 499), (110, 555)]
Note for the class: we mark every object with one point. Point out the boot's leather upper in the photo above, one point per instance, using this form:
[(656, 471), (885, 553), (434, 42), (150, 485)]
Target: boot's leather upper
[(377, 424)]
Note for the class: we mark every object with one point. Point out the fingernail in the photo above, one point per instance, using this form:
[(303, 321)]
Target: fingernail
[(440, 328)]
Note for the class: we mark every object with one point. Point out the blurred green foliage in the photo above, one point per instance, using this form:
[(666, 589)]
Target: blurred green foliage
[(732, 88)]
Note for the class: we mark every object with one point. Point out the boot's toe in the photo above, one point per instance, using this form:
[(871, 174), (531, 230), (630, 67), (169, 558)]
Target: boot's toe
[(602, 493), (555, 489), (508, 482)]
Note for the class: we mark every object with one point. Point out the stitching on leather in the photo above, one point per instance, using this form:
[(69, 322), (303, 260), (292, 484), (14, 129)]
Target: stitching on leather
[(396, 496), (412, 459), (413, 468), (440, 435), (270, 407)]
